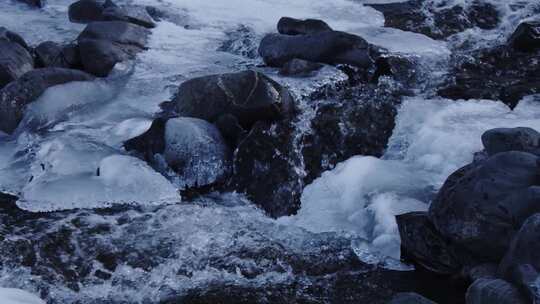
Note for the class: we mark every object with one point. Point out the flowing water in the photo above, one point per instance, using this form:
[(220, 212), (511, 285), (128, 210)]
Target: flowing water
[(50, 162)]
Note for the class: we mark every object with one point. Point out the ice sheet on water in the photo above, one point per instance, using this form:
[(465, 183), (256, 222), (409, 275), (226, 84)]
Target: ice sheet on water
[(117, 179), (432, 138), (17, 296)]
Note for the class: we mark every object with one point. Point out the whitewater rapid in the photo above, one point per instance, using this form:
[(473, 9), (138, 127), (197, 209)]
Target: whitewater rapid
[(72, 130)]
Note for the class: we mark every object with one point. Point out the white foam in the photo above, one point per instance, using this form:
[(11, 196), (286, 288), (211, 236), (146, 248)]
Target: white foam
[(17, 296)]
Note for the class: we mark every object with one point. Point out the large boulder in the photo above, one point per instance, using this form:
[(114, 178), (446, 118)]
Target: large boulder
[(249, 96), (490, 291), (14, 61), (15, 96), (427, 18), (300, 68), (481, 206), (526, 38), (422, 244), (331, 47), (105, 43), (521, 264), (511, 139), (292, 26)]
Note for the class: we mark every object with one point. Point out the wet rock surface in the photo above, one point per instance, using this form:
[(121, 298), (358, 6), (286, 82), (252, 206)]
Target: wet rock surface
[(14, 61), (438, 22), (102, 44), (15, 96)]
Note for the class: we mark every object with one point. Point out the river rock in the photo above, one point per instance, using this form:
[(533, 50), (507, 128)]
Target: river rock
[(439, 23), (14, 61), (490, 291), (422, 243), (8, 35), (511, 139), (482, 205), (52, 54), (526, 38), (15, 96), (103, 44), (521, 264), (133, 14), (85, 11), (331, 47), (250, 96), (292, 26)]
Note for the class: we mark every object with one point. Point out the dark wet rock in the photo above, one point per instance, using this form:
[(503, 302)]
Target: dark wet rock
[(422, 244), (265, 168), (498, 73), (331, 47), (195, 149), (409, 298), (8, 35), (15, 96), (426, 18), (300, 68), (133, 14), (521, 264), (526, 38), (482, 205), (511, 139), (352, 122), (230, 128), (292, 26), (400, 68), (241, 41), (250, 96), (85, 11), (489, 291), (34, 3), (105, 43), (150, 142), (481, 271), (52, 54), (14, 62)]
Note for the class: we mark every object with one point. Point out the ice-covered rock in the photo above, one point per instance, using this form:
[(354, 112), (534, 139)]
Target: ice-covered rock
[(18, 94), (195, 149), (17, 296)]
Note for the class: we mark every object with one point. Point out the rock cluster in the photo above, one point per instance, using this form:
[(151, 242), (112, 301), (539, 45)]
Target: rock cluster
[(486, 213)]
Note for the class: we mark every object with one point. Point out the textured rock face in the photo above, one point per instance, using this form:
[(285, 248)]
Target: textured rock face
[(426, 18), (487, 291), (249, 96), (481, 206), (14, 61), (521, 264), (15, 96), (196, 150), (498, 73), (103, 44), (292, 26), (511, 139), (422, 244), (86, 11), (51, 54), (526, 38), (330, 47)]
